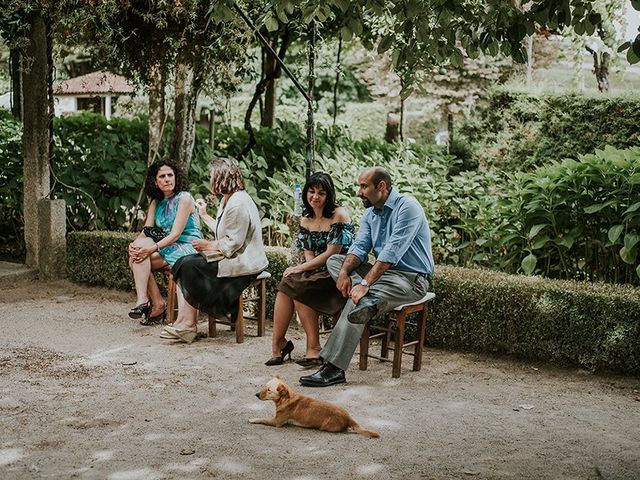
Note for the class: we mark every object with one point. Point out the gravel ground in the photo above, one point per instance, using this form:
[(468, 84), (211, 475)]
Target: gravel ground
[(85, 392)]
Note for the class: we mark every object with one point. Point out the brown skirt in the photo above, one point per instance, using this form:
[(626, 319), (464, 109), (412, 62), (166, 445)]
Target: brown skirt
[(316, 290)]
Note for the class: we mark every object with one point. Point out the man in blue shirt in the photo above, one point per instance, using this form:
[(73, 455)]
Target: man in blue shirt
[(395, 229)]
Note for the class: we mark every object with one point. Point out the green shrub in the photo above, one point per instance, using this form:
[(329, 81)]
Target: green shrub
[(100, 258), (517, 131), (595, 326)]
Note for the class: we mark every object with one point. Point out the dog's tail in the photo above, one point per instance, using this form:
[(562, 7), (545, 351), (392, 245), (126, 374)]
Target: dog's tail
[(355, 427)]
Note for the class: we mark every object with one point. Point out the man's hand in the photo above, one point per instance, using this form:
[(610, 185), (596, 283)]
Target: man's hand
[(358, 292), (343, 284)]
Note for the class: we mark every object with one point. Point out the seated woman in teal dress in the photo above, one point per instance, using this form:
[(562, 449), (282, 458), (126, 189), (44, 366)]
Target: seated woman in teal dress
[(172, 223)]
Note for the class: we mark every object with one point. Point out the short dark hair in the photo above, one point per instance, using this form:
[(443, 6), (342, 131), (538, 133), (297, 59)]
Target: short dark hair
[(380, 174), (322, 180), (181, 179)]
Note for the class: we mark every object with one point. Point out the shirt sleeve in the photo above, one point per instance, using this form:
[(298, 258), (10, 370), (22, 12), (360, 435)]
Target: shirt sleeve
[(408, 221), (362, 244)]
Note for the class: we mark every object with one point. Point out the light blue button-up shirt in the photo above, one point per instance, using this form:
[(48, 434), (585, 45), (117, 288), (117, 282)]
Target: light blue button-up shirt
[(398, 234)]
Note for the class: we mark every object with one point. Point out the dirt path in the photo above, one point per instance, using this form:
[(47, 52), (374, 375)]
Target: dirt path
[(87, 393)]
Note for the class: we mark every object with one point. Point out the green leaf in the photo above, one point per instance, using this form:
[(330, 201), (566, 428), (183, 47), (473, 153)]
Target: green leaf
[(528, 264), (614, 233), (632, 58), (385, 43), (631, 240), (538, 244), (271, 23), (623, 47), (638, 270), (567, 241), (632, 208), (346, 34), (594, 208), (628, 256), (535, 230)]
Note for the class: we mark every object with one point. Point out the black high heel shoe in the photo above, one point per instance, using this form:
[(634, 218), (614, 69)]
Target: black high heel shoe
[(149, 320), (288, 348), (140, 310)]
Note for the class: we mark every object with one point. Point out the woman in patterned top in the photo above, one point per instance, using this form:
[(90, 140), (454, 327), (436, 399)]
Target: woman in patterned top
[(173, 212), (325, 229)]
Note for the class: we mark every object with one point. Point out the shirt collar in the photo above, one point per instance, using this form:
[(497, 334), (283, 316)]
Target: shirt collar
[(390, 203)]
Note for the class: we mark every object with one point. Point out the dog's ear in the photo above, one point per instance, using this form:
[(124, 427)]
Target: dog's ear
[(283, 390)]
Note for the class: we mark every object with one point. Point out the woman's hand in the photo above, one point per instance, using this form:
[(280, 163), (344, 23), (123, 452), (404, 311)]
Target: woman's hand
[(202, 207), (203, 245), (294, 269), (140, 254)]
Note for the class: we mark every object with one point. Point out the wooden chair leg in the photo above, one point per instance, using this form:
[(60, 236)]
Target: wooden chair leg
[(239, 325), (212, 327), (422, 327), (384, 348), (399, 342), (171, 300), (364, 348), (261, 314)]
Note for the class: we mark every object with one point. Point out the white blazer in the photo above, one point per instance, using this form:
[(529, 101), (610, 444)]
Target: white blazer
[(239, 235)]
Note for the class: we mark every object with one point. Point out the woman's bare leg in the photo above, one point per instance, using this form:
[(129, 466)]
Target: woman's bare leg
[(282, 312), (157, 302), (187, 315), (309, 320), (141, 271)]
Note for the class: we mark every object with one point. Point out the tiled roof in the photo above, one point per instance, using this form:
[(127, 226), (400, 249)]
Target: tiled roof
[(94, 83)]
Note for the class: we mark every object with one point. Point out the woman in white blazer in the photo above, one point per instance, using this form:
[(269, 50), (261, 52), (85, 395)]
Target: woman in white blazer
[(215, 286)]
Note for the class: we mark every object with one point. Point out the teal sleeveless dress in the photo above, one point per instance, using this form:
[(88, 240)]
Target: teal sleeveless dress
[(166, 210)]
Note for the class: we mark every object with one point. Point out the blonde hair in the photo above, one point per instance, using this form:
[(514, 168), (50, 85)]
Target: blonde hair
[(225, 176)]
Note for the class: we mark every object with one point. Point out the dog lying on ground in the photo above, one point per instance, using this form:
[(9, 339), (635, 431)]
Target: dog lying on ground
[(303, 411)]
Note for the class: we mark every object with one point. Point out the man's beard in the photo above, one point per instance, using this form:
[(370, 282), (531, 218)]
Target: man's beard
[(366, 202)]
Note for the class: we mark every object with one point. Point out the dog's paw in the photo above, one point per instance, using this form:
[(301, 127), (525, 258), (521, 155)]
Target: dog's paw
[(255, 420)]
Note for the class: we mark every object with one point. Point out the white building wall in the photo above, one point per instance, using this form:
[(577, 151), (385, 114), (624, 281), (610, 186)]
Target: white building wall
[(65, 104)]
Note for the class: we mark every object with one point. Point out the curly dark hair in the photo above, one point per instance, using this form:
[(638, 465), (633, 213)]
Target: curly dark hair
[(150, 187), (323, 181)]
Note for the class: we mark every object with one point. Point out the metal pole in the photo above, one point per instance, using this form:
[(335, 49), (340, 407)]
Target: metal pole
[(310, 149)]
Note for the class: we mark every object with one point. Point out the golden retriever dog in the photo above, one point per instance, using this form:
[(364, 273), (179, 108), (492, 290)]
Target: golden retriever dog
[(303, 411)]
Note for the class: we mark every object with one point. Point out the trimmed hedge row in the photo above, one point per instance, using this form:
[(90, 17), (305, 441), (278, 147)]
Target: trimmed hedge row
[(100, 258), (596, 326), (593, 325)]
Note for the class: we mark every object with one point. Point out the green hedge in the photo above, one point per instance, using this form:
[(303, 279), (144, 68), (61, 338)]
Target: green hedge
[(100, 258), (596, 326)]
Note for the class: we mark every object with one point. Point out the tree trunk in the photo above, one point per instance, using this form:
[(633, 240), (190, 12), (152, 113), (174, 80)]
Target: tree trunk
[(15, 67), (269, 111), (337, 83), (156, 113), (601, 68), (36, 133), (186, 97), (392, 131)]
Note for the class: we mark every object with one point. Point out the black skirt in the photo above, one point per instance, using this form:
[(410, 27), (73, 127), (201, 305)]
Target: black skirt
[(204, 290), (316, 290)]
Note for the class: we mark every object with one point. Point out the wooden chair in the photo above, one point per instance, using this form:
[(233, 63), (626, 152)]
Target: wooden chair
[(260, 284), (398, 316)]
